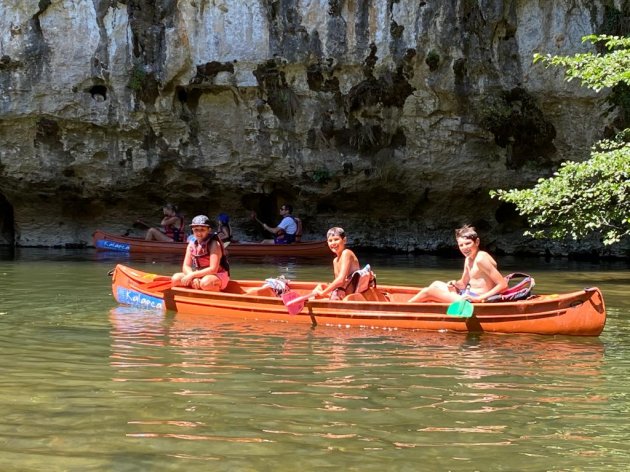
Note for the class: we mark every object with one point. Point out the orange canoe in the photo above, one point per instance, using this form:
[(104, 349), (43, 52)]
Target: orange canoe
[(580, 313), (104, 241)]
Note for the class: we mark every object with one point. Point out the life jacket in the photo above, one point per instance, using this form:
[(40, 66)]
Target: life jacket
[(229, 232), (282, 237), (360, 280), (298, 233), (201, 254), (521, 290), (357, 282), (176, 233)]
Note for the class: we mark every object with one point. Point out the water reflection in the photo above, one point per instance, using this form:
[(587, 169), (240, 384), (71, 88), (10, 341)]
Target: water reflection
[(85, 387), (356, 390)]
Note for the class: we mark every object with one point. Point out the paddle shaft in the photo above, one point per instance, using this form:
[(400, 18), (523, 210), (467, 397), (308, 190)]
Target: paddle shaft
[(255, 218), (301, 299), (141, 224)]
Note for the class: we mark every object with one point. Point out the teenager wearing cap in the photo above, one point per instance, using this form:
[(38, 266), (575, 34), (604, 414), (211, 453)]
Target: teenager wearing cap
[(205, 264)]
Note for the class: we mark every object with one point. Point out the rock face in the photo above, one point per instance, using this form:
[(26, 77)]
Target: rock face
[(391, 118)]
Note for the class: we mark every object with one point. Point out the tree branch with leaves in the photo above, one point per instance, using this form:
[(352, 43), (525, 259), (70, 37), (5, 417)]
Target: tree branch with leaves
[(593, 196)]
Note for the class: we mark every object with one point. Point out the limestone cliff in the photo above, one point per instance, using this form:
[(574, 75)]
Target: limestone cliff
[(391, 118)]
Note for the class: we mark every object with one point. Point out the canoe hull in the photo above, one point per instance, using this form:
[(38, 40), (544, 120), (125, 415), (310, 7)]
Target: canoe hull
[(580, 313), (104, 241)]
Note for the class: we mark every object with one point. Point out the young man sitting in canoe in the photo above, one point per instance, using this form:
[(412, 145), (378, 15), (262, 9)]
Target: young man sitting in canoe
[(286, 231), (480, 278), (345, 265), (205, 264)]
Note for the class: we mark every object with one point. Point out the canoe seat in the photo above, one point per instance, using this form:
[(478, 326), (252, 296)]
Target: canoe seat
[(374, 295), (354, 297), (400, 297), (370, 295), (233, 287)]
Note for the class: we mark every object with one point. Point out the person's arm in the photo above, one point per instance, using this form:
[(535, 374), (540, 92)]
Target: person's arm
[(341, 276), (282, 226), (489, 268), (270, 229), (224, 232), (171, 220), (187, 267), (463, 280)]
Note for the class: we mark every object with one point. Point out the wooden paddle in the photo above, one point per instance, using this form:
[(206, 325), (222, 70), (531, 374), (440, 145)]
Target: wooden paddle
[(461, 309), (255, 218), (140, 224)]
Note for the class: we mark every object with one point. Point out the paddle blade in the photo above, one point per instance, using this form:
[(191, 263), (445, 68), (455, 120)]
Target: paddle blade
[(461, 309), (292, 308)]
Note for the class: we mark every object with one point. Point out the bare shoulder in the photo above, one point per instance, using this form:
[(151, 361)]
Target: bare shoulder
[(348, 254), (485, 259)]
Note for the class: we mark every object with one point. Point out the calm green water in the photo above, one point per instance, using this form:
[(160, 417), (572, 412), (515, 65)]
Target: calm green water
[(86, 385)]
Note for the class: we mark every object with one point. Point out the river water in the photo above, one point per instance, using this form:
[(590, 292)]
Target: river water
[(87, 385)]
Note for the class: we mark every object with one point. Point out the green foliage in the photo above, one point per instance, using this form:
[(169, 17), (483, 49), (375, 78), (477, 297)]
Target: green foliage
[(581, 197), (137, 78), (591, 196), (321, 176), (596, 70), (432, 60)]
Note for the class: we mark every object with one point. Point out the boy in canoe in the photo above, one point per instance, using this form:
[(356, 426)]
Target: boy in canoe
[(345, 265), (205, 264), (480, 279)]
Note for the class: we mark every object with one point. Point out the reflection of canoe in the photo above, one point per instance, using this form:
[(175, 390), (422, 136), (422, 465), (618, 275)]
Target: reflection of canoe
[(577, 313), (110, 242)]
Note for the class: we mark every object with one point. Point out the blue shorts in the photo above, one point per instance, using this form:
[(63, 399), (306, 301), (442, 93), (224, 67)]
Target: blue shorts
[(466, 291)]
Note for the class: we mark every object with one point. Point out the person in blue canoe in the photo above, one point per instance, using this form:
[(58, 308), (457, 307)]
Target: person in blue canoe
[(480, 279)]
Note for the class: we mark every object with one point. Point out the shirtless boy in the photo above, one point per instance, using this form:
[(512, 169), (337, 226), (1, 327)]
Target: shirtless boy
[(480, 278), (344, 265)]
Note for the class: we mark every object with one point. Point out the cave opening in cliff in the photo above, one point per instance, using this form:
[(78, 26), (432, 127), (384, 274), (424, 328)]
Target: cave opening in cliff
[(98, 92), (7, 223)]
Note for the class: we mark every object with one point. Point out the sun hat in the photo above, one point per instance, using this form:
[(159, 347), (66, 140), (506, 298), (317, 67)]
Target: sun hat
[(200, 220)]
